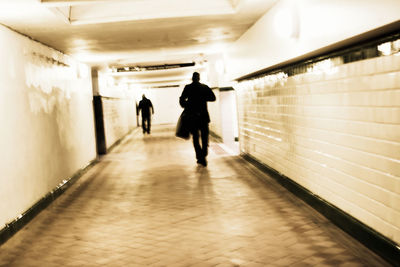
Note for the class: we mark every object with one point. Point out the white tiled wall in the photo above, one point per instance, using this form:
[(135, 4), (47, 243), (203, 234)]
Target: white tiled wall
[(119, 118), (334, 131)]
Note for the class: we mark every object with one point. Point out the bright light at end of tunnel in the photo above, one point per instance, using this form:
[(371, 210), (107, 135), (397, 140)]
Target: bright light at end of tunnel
[(83, 70), (110, 81), (219, 66)]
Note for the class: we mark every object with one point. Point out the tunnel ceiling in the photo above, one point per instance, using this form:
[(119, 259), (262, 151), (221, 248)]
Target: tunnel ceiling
[(133, 32)]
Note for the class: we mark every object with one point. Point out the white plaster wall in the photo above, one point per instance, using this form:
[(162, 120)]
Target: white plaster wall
[(46, 118), (315, 24)]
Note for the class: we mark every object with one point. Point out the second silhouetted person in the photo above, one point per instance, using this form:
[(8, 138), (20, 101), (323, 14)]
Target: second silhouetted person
[(144, 107)]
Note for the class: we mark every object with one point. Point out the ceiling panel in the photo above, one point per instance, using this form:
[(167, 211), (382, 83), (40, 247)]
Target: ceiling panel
[(126, 32), (144, 10)]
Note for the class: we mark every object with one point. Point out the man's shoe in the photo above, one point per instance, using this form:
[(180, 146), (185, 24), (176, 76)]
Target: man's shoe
[(202, 162)]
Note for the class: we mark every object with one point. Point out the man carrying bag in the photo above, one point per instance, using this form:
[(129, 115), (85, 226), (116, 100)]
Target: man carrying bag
[(195, 117)]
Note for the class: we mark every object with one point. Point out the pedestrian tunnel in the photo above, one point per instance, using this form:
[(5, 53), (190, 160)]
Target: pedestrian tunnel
[(304, 162)]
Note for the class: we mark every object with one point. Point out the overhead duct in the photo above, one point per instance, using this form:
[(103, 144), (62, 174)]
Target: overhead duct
[(154, 67)]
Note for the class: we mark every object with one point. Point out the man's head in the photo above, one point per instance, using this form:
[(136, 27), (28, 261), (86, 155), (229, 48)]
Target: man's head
[(196, 77), (143, 96)]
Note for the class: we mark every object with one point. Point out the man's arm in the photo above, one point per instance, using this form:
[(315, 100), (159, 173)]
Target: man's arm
[(183, 98), (210, 96)]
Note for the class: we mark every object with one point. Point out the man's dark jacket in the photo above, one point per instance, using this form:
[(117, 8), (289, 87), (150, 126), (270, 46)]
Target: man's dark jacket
[(194, 100)]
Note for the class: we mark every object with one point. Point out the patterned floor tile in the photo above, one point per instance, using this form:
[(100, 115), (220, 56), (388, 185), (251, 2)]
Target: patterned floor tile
[(147, 203)]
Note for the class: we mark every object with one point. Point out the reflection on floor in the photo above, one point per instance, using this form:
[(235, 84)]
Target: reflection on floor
[(147, 203)]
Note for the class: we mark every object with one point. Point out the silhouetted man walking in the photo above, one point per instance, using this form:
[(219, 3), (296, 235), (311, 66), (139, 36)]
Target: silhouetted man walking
[(194, 100), (144, 107)]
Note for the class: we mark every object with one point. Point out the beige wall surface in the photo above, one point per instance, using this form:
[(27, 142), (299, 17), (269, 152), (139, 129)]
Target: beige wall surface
[(46, 118), (333, 130), (293, 28), (215, 114)]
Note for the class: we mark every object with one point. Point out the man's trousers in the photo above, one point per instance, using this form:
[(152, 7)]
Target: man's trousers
[(200, 133)]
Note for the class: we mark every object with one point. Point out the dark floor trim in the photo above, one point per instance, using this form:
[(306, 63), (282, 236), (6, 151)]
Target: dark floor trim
[(215, 136), (119, 141), (17, 224), (375, 241)]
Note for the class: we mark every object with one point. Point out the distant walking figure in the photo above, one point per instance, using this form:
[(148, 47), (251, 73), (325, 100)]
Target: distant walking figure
[(144, 107), (194, 100)]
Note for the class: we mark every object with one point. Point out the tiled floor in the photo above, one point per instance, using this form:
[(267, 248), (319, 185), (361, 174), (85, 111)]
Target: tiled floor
[(148, 204)]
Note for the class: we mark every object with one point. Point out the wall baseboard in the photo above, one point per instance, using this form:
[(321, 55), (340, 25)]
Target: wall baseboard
[(17, 224), (381, 245), (119, 141), (215, 136)]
